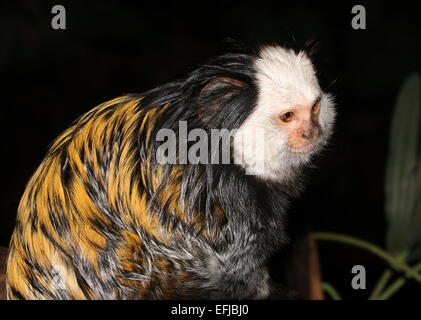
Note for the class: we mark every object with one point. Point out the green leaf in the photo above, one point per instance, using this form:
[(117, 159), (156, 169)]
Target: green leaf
[(403, 173)]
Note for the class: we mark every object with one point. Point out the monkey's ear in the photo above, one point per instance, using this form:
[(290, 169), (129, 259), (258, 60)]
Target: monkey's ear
[(215, 95)]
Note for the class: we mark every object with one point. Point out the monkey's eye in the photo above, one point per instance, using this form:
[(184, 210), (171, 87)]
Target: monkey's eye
[(316, 106), (287, 116)]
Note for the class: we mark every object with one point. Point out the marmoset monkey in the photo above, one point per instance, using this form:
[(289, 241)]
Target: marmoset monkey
[(103, 218)]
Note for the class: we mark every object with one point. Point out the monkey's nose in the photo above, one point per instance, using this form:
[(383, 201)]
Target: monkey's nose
[(307, 134)]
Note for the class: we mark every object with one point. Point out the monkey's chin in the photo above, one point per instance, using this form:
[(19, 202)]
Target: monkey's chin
[(305, 149)]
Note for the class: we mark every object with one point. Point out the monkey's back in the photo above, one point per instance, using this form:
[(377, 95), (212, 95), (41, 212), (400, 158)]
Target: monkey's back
[(86, 227)]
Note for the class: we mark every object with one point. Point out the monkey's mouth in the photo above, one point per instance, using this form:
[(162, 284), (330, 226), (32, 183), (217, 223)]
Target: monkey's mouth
[(305, 149)]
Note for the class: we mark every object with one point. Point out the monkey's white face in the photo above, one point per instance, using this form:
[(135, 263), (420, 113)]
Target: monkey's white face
[(292, 121)]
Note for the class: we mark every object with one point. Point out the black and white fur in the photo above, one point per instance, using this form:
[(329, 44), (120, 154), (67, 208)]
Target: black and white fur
[(255, 204), (205, 256)]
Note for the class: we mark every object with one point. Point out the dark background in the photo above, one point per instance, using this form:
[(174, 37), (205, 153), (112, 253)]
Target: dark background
[(51, 77)]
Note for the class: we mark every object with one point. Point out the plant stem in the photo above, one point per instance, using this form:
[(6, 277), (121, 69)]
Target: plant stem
[(417, 267), (393, 288), (331, 291), (385, 277), (395, 262)]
